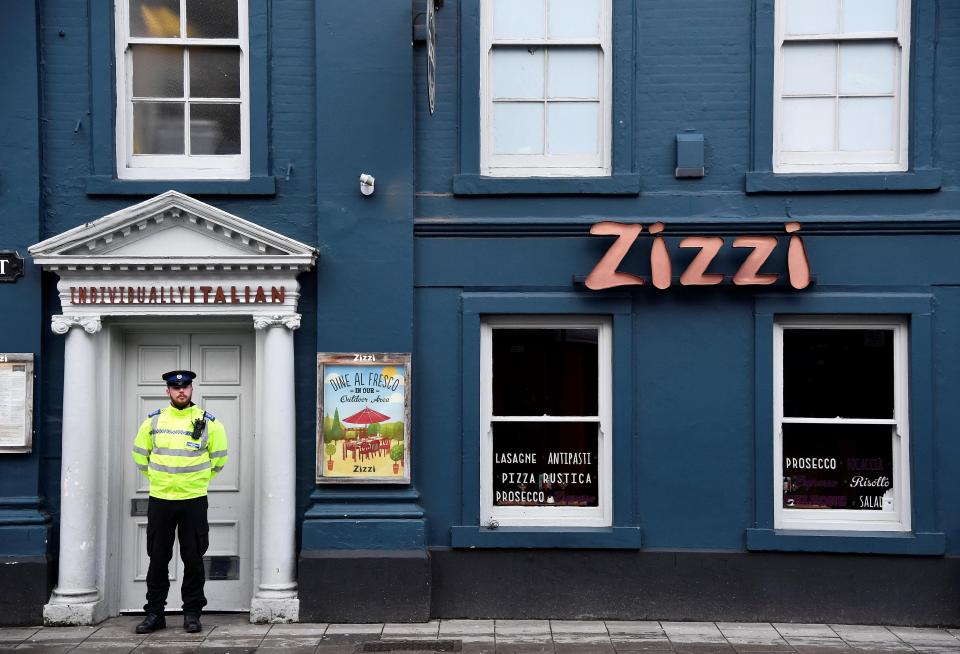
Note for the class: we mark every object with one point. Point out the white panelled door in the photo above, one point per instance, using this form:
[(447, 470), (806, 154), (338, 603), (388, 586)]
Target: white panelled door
[(224, 363)]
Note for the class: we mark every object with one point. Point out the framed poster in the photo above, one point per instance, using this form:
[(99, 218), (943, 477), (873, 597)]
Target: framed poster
[(363, 418), (16, 403)]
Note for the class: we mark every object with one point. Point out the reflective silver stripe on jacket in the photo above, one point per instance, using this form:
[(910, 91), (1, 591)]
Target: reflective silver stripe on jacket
[(217, 468), (179, 469), (218, 454), (142, 466), (140, 450), (153, 430), (171, 452)]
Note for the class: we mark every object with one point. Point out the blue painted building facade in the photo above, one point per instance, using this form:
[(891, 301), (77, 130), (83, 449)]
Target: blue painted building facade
[(441, 251)]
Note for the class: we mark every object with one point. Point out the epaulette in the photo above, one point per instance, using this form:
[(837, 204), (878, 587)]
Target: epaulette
[(208, 416), (155, 413)]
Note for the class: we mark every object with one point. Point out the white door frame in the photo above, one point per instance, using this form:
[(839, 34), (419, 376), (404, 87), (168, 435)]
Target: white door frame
[(96, 482), (223, 268)]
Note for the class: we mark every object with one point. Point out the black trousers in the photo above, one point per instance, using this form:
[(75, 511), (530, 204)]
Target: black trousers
[(188, 518)]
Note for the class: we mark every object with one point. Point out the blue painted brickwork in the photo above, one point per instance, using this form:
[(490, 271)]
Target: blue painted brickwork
[(365, 295), (67, 162), (693, 374), (947, 411), (365, 125), (693, 72), (319, 205), (22, 531), (694, 351), (947, 117)]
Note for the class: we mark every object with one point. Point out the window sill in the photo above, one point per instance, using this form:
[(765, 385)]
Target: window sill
[(864, 542), (547, 537), (610, 185), (929, 179), (106, 185)]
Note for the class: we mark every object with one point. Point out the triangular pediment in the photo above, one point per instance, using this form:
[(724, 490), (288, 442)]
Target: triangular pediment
[(172, 229)]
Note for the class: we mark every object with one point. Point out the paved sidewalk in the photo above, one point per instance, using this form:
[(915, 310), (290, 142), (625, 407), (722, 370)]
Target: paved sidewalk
[(234, 634)]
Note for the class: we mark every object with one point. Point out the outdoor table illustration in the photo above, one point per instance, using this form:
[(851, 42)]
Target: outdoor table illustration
[(362, 419)]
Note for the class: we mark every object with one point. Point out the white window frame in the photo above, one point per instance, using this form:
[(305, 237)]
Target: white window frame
[(837, 161), (847, 519), (545, 165), (185, 166), (548, 516)]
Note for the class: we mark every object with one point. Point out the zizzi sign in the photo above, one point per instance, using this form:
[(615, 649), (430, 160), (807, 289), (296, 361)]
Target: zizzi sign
[(606, 274), (177, 295)]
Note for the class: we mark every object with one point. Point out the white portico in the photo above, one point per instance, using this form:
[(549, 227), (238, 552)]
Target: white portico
[(170, 262)]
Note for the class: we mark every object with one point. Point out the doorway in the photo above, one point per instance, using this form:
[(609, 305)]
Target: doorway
[(224, 360)]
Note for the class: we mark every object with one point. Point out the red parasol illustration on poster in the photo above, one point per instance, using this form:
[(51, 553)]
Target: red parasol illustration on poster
[(362, 418), (366, 417)]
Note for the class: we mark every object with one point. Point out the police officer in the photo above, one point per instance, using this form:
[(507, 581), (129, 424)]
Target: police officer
[(180, 448)]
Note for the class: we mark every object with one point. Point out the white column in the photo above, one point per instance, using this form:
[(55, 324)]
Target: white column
[(76, 599), (276, 596)]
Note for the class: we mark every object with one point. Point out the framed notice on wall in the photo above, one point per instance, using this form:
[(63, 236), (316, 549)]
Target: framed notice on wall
[(16, 403), (363, 418)]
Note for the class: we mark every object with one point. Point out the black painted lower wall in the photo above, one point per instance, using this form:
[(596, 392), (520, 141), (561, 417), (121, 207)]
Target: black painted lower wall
[(356, 586), (747, 586), (413, 586), (24, 589)]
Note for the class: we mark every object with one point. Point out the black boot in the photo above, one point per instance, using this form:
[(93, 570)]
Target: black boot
[(152, 622), (191, 623)]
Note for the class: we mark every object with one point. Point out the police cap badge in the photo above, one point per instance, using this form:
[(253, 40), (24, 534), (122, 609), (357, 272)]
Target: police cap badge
[(179, 378)]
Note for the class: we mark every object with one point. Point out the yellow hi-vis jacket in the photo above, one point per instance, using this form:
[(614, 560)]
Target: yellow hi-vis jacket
[(179, 467)]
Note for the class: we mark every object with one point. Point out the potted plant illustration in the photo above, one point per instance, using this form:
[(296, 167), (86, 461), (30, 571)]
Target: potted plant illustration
[(396, 454), (330, 449)]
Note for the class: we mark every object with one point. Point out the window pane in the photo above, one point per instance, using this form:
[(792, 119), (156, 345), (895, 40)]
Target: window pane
[(212, 19), (838, 467), (215, 129), (545, 372), (518, 128), (215, 72), (517, 19), (811, 16), (573, 73), (158, 128), (809, 68), (868, 67), (869, 15), (157, 71), (156, 18), (838, 372), (545, 464), (518, 72), (574, 18), (573, 127), (867, 124), (808, 124)]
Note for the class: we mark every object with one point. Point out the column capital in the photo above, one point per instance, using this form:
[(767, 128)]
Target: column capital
[(289, 320), (61, 324)]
